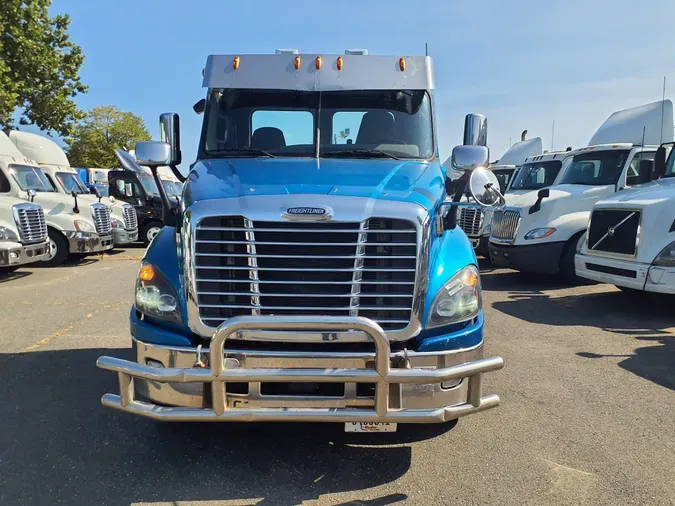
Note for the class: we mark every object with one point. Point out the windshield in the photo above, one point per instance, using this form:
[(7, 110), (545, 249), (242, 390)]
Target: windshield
[(536, 175), (503, 176), (31, 178), (71, 182), (172, 187), (351, 124), (597, 168), (102, 189), (149, 184), (670, 165)]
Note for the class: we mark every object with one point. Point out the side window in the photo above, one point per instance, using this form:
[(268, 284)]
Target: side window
[(636, 176), (346, 125), (5, 187), (275, 130)]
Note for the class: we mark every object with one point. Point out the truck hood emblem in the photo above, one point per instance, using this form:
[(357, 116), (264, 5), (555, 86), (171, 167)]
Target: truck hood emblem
[(307, 213)]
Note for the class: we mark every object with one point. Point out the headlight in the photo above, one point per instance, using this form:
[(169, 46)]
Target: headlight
[(116, 223), (539, 233), (83, 226), (7, 234), (154, 294), (667, 256), (459, 299)]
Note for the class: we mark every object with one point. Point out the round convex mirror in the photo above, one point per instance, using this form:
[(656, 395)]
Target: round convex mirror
[(484, 187)]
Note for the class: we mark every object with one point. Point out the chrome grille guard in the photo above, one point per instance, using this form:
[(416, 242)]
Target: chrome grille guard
[(219, 374)]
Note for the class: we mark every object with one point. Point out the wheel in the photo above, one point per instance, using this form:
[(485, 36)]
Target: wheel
[(567, 269), (150, 230), (58, 249)]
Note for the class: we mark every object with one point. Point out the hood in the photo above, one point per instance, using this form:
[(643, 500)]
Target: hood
[(658, 191), (409, 181), (585, 195)]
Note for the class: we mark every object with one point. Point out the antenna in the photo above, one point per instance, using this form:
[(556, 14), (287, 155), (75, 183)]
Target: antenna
[(663, 104), (552, 135), (426, 49)]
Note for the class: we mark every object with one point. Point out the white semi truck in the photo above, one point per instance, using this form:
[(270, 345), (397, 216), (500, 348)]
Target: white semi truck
[(73, 227), (631, 235), (23, 232), (541, 231), (56, 166)]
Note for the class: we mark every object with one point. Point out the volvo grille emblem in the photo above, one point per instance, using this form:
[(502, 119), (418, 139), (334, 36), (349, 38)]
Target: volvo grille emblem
[(610, 231), (307, 213)]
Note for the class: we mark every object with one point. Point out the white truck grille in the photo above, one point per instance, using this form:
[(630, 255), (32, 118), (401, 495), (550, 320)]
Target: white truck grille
[(30, 220), (101, 215), (130, 219), (246, 267), (471, 220), (505, 224)]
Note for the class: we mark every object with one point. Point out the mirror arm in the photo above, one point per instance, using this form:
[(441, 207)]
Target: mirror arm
[(537, 205), (168, 216), (177, 173)]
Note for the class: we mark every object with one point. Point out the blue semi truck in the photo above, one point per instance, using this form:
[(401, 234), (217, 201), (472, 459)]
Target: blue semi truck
[(314, 270)]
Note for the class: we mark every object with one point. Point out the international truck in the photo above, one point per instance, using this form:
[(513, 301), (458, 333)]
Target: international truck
[(73, 226), (303, 279), (630, 240), (541, 231), (23, 232), (65, 179)]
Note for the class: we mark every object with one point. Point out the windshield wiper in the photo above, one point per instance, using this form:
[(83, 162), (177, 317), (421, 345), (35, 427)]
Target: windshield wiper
[(234, 151), (360, 153)]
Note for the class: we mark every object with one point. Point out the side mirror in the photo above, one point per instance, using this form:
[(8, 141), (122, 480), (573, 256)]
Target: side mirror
[(660, 162), (542, 194), (76, 208), (31, 194), (645, 171), (169, 132), (153, 153), (200, 106), (484, 187), (469, 157), (92, 190), (475, 130)]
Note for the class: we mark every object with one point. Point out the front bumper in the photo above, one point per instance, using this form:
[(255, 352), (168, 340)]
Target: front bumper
[(626, 273), (14, 253), (122, 236), (84, 242), (405, 387), (536, 258)]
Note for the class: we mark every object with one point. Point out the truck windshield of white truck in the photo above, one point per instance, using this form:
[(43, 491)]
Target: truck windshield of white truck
[(597, 168), (536, 175), (350, 124), (71, 182), (30, 178)]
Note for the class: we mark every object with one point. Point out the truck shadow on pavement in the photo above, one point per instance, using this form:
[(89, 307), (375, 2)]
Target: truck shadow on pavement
[(58, 444)]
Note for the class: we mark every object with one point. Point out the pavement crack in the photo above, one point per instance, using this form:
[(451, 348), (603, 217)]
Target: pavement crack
[(46, 340)]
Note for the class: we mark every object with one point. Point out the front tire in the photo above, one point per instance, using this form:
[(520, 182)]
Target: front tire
[(567, 269), (58, 249), (150, 230)]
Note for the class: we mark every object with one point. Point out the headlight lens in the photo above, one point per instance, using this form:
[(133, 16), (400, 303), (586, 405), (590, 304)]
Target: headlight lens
[(459, 299), (154, 294), (83, 226), (667, 256), (539, 233), (7, 234), (116, 223)]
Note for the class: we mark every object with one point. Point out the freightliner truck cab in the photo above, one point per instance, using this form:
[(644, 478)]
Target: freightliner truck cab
[(70, 224), (120, 219), (23, 232), (314, 270)]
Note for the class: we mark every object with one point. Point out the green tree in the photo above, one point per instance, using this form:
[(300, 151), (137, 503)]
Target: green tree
[(39, 67), (102, 130)]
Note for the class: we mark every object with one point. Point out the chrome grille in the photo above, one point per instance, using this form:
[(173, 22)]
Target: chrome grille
[(246, 267), (101, 215), (130, 219), (505, 224), (30, 220), (471, 220)]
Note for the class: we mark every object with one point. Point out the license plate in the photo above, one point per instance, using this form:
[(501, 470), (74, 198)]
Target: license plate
[(370, 427)]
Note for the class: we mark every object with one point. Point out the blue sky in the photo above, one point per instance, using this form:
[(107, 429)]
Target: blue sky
[(523, 63)]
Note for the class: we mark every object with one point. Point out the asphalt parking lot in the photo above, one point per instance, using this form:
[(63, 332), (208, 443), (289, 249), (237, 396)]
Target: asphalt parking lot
[(587, 414)]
